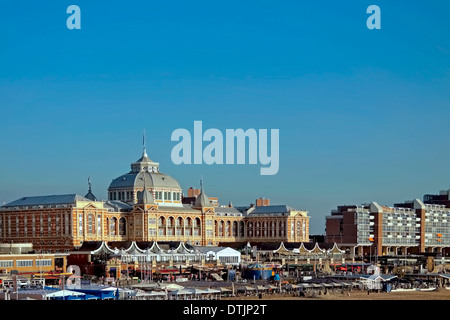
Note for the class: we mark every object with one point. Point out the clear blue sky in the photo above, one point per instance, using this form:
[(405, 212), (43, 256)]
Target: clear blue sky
[(363, 114)]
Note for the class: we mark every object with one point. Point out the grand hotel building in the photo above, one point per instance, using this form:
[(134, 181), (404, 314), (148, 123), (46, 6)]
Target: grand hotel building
[(144, 205)]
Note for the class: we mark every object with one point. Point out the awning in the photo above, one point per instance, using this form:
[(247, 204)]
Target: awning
[(196, 291), (64, 293), (210, 290), (180, 292), (156, 293)]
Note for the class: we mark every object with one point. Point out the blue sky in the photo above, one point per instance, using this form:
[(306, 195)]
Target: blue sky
[(363, 114)]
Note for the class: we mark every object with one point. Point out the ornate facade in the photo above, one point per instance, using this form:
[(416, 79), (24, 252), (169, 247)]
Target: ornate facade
[(144, 205)]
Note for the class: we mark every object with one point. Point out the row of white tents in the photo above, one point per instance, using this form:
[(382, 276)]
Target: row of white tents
[(173, 291)]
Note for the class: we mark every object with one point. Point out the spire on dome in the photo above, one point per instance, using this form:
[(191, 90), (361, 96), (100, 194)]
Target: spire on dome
[(144, 153), (90, 195), (144, 162), (202, 199)]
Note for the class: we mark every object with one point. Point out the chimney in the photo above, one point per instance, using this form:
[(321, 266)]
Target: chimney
[(262, 202), (193, 192)]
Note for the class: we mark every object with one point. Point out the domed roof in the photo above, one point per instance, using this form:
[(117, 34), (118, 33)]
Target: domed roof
[(152, 180)]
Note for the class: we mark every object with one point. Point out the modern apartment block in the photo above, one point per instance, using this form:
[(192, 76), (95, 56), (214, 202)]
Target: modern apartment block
[(409, 227)]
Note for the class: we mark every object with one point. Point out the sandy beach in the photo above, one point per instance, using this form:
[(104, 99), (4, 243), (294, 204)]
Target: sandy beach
[(440, 294)]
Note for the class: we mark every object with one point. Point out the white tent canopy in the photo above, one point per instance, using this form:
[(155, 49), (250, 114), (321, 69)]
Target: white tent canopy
[(64, 293)]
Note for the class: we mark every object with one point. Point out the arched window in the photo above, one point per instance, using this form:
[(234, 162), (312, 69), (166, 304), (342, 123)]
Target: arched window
[(235, 229), (90, 221), (162, 226), (272, 228), (227, 229), (221, 229), (122, 227), (112, 226), (241, 229), (257, 229), (99, 225), (197, 227), (188, 226), (179, 226), (264, 229), (282, 229), (250, 229), (171, 226)]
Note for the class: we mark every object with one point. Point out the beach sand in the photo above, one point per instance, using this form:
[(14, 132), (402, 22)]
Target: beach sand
[(440, 294)]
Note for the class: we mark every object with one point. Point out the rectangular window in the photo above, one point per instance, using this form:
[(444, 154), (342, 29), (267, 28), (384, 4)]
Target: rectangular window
[(6, 264), (90, 224), (33, 220), (24, 263), (57, 225), (44, 263), (80, 224), (99, 225), (66, 224), (25, 228)]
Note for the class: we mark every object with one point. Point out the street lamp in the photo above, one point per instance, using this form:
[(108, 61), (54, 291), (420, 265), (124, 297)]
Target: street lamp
[(372, 241)]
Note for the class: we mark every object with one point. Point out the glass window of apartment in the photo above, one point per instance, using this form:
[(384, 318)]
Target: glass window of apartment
[(6, 263), (43, 263), (24, 263)]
